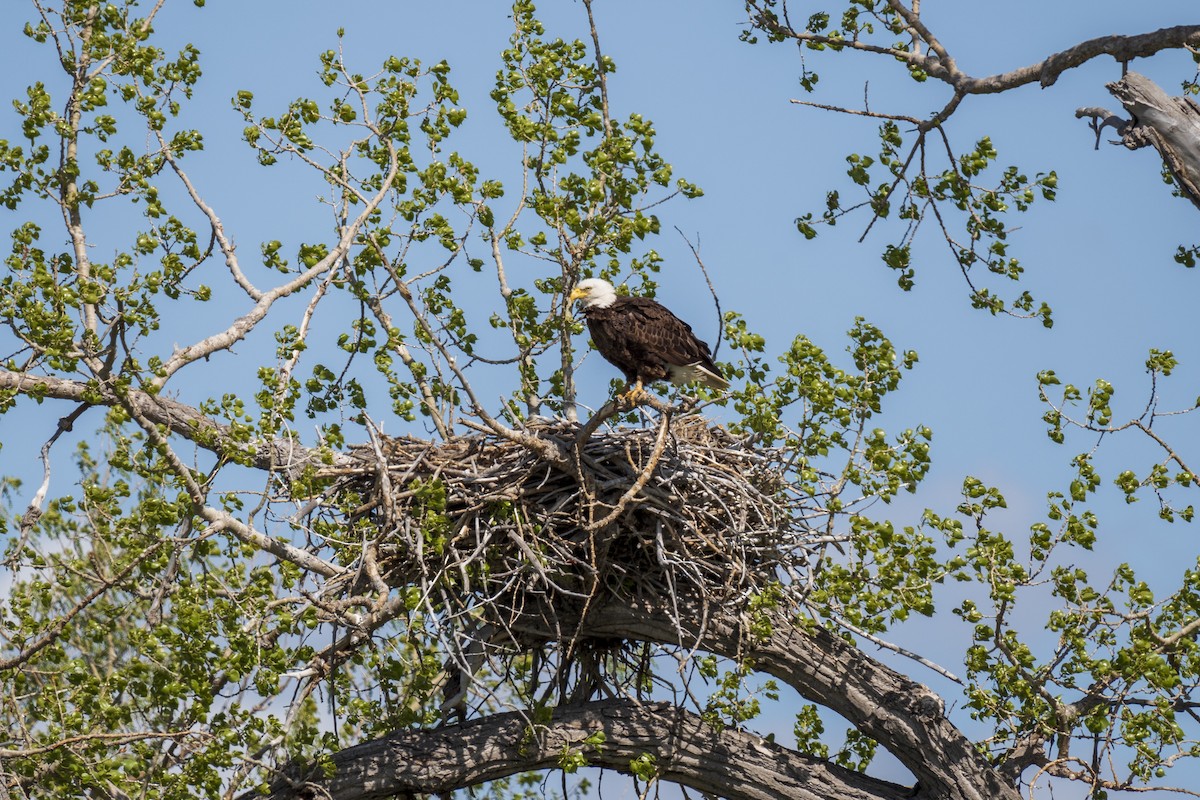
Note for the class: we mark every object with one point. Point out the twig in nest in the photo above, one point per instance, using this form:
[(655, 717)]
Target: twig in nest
[(640, 483)]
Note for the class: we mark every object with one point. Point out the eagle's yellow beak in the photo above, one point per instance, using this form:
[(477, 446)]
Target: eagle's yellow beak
[(577, 294)]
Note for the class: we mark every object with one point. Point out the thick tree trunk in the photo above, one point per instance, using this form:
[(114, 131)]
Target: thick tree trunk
[(685, 750), (1169, 124)]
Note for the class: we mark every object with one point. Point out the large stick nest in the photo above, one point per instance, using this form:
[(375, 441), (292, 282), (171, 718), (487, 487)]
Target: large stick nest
[(481, 530)]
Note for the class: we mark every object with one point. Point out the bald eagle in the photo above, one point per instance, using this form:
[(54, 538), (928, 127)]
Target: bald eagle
[(644, 340)]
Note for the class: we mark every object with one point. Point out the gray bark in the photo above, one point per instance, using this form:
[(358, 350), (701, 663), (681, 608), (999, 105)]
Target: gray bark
[(687, 751), (1171, 125), (903, 716)]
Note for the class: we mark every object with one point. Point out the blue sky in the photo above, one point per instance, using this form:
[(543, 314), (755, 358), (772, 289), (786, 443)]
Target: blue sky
[(1100, 255)]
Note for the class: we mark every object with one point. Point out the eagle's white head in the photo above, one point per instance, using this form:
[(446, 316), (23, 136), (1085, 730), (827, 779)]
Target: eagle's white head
[(594, 293)]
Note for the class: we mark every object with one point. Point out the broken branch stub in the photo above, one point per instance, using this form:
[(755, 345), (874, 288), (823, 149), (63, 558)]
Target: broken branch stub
[(1169, 124)]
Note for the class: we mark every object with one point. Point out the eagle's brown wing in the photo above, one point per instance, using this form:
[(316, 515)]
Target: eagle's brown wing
[(656, 328), (648, 343)]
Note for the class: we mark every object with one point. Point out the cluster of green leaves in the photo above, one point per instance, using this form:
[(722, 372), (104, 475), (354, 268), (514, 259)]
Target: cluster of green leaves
[(139, 622), (841, 461), (1187, 255), (1192, 85), (551, 98), (856, 753), (592, 179), (1167, 478), (734, 691), (872, 22), (916, 193), (133, 631), (69, 162), (733, 701), (1117, 647), (572, 758), (832, 406), (1122, 665), (959, 197)]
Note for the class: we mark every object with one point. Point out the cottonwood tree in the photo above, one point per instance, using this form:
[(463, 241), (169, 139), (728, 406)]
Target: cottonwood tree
[(216, 605)]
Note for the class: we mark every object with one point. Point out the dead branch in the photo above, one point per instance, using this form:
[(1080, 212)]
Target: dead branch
[(1171, 125), (940, 64)]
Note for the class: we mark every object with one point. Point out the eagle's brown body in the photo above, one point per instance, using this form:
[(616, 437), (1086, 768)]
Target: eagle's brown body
[(645, 340)]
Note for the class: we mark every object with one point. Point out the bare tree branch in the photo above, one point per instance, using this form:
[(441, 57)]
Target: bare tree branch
[(1045, 72), (279, 454), (228, 248)]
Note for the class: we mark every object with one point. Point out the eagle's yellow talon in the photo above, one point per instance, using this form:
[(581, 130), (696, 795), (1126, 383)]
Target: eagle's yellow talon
[(633, 395)]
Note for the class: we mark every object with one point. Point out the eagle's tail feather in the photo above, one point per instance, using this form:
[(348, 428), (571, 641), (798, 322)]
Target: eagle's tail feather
[(698, 373)]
